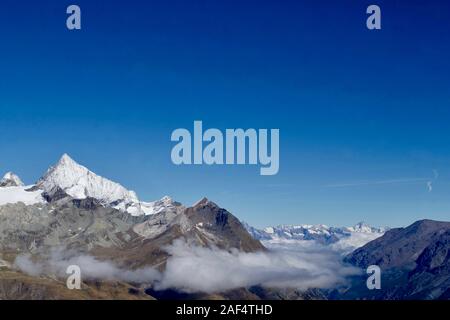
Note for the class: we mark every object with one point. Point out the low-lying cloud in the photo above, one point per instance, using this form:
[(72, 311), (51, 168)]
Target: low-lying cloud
[(199, 269), (193, 268), (58, 260)]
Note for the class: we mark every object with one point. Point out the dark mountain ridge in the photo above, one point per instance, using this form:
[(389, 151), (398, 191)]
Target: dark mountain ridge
[(414, 261)]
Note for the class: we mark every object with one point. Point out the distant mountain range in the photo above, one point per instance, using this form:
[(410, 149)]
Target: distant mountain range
[(72, 214), (343, 238)]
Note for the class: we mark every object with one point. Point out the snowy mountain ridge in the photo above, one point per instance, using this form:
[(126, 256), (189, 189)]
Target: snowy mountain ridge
[(79, 183), (342, 238)]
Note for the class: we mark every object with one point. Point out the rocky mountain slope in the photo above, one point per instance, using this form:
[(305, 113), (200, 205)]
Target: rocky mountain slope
[(415, 262), (399, 247)]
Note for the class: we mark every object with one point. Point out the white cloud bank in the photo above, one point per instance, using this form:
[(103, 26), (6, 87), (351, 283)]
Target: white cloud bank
[(211, 269), (199, 269), (91, 268)]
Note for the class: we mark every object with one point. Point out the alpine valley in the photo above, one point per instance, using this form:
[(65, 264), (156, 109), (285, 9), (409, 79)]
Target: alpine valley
[(133, 249)]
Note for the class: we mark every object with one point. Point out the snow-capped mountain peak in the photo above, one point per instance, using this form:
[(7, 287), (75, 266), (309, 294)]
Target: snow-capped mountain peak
[(80, 183), (67, 177), (65, 158), (11, 180), (363, 227)]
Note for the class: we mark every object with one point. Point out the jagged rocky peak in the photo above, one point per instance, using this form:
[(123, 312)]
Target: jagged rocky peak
[(363, 227), (165, 204), (11, 180), (204, 202), (166, 200), (80, 183)]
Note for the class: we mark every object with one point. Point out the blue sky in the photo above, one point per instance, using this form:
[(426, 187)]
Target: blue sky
[(363, 115)]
